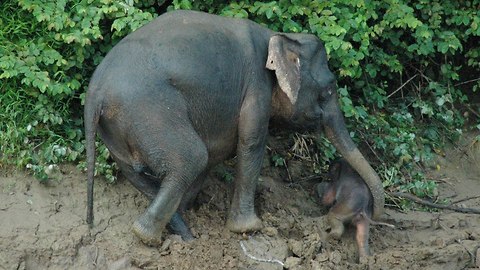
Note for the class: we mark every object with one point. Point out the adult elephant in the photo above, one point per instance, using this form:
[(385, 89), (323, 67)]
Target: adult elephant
[(189, 90)]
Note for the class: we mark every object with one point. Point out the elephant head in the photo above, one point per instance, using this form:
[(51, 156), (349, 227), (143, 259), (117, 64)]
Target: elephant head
[(305, 96)]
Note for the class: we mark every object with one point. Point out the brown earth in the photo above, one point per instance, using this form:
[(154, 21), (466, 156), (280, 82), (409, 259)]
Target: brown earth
[(43, 226)]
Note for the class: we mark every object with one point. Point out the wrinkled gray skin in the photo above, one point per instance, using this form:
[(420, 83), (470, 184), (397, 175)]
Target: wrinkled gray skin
[(350, 201), (189, 90)]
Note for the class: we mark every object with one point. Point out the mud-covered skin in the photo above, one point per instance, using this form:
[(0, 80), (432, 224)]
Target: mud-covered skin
[(350, 201), (189, 90)]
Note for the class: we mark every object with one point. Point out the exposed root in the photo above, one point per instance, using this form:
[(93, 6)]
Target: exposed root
[(472, 256), (465, 199), (434, 205)]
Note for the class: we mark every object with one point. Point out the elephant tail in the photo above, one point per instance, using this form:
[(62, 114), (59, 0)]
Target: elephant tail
[(92, 114)]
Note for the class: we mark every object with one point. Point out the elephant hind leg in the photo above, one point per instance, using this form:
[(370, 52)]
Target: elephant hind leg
[(149, 186), (177, 225), (192, 192), (146, 184), (182, 161), (152, 132)]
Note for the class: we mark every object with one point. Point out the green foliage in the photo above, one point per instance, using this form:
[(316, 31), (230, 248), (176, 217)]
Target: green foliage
[(228, 177), (225, 172), (404, 68), (278, 161), (314, 149), (48, 51)]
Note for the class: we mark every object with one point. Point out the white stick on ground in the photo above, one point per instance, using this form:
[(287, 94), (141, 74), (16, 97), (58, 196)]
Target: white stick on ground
[(258, 259)]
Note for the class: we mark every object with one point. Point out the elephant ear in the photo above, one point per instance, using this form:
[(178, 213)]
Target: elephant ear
[(283, 58)]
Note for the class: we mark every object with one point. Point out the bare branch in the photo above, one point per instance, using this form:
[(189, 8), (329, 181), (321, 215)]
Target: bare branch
[(434, 205), (401, 86), (465, 82), (465, 199)]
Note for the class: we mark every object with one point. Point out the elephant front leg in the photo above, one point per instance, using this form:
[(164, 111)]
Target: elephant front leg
[(250, 151), (242, 216), (361, 237)]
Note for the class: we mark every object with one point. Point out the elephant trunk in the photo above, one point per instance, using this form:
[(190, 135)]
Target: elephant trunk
[(337, 133)]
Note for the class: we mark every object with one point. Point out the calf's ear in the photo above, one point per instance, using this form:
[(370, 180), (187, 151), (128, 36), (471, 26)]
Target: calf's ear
[(283, 58), (334, 171)]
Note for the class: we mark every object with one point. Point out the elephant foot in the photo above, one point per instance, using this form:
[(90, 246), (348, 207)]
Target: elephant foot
[(335, 233), (149, 231), (177, 225), (244, 223), (364, 257)]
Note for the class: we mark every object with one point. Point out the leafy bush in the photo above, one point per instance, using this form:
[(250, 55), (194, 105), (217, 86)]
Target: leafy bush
[(404, 68), (49, 50)]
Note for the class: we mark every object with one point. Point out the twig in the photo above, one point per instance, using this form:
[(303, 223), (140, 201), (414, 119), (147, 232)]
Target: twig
[(472, 111), (445, 180), (465, 82), (259, 259), (211, 199), (288, 172), (96, 257), (38, 145), (395, 202), (301, 157), (6, 207), (401, 86), (371, 148), (434, 205), (466, 199), (472, 257)]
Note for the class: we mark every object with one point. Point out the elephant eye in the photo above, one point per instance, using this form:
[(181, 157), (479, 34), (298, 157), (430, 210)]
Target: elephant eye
[(325, 93), (329, 90)]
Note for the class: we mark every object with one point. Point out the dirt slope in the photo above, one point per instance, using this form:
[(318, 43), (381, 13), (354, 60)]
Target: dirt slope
[(43, 227)]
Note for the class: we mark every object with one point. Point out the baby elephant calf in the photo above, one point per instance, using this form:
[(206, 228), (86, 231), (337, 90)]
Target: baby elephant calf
[(350, 201)]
